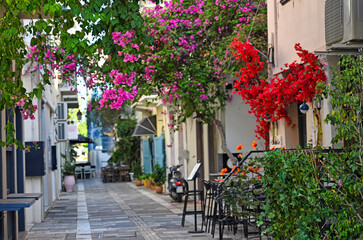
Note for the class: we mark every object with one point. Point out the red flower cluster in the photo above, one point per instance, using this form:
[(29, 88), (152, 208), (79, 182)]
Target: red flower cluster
[(272, 97)]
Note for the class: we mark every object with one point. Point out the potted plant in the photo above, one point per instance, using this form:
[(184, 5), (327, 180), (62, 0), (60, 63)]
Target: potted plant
[(143, 179), (68, 175), (159, 177), (138, 174), (148, 180), (152, 181)]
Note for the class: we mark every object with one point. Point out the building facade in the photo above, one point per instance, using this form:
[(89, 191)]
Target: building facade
[(327, 28)]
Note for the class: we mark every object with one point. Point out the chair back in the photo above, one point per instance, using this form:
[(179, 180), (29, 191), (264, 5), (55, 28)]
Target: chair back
[(87, 168)]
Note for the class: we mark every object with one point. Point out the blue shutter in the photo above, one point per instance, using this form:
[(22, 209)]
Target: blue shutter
[(146, 152), (159, 150)]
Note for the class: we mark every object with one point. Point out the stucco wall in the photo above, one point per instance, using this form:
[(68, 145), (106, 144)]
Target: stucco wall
[(240, 126), (298, 21)]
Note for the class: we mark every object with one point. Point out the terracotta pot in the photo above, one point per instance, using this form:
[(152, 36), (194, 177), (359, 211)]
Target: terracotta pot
[(148, 184), (159, 189), (138, 183), (69, 182), (153, 186)]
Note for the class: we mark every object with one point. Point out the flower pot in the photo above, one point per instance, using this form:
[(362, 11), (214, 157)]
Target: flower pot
[(153, 186), (69, 182), (138, 183), (159, 189), (148, 184)]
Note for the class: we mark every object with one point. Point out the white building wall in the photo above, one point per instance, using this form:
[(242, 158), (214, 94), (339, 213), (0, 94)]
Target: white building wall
[(240, 126), (299, 22), (42, 129)]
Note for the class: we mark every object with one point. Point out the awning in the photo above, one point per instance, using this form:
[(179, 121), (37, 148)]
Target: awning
[(146, 127), (81, 139)]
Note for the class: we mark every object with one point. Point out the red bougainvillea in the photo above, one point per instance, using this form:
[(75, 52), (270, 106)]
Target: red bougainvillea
[(269, 99)]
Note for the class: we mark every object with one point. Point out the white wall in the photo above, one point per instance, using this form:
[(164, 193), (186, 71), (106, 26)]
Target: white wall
[(298, 21), (42, 129), (240, 126)]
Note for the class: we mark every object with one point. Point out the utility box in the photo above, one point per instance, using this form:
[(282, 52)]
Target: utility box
[(343, 22)]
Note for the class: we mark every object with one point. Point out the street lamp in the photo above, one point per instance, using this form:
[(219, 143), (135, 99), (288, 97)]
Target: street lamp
[(79, 115), (318, 103)]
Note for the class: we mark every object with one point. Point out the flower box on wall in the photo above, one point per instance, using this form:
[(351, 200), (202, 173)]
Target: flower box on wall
[(34, 159)]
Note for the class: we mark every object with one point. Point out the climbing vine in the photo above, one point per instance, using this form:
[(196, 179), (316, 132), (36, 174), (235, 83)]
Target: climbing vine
[(269, 99)]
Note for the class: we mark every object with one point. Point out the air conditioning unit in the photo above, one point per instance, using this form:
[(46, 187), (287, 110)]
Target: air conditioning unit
[(62, 111), (343, 22), (61, 131)]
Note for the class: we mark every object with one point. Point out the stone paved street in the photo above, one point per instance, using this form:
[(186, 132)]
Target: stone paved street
[(99, 210)]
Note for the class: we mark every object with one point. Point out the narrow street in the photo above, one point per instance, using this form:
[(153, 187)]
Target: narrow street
[(96, 210)]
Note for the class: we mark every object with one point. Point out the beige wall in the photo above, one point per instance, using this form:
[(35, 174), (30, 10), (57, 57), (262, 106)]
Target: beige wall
[(298, 21)]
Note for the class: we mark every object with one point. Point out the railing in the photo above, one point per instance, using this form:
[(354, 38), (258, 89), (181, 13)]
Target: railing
[(221, 185)]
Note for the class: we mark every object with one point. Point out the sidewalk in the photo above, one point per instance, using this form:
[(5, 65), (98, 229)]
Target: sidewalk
[(99, 210)]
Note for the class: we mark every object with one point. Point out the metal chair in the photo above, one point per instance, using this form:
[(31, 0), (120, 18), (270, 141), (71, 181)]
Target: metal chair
[(109, 174), (124, 174), (78, 171), (208, 205)]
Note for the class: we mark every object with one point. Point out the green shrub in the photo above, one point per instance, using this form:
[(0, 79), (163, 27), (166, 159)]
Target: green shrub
[(68, 168), (158, 175), (137, 171), (301, 206)]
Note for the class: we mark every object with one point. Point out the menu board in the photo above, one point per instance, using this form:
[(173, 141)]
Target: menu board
[(195, 170)]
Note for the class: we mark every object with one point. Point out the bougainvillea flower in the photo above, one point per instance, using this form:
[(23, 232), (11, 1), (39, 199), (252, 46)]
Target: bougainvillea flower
[(243, 173), (254, 144), (223, 171), (240, 155), (218, 180), (284, 147), (239, 147), (340, 184), (258, 176)]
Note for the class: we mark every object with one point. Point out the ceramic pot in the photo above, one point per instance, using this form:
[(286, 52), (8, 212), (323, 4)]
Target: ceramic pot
[(148, 184), (153, 186), (138, 183), (69, 182), (159, 189)]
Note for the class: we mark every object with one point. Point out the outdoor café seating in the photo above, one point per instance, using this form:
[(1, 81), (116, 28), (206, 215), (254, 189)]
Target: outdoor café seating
[(119, 173), (84, 170)]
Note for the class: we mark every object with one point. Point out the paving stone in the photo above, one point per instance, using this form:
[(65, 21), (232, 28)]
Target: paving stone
[(117, 211)]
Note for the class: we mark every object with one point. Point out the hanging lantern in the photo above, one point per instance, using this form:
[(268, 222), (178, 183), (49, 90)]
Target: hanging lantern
[(267, 117), (304, 108)]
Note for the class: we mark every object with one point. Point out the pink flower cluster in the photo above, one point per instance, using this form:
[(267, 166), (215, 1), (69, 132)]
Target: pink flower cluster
[(29, 113), (122, 78), (114, 99), (123, 39)]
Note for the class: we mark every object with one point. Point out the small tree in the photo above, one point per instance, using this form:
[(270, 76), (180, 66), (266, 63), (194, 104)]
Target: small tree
[(158, 175), (137, 171), (127, 146)]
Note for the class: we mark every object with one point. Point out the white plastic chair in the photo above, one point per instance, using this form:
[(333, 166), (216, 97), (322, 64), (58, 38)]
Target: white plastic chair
[(87, 170), (78, 171)]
